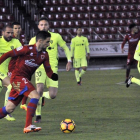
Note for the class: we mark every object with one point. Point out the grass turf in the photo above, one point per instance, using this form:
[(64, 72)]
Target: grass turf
[(101, 109)]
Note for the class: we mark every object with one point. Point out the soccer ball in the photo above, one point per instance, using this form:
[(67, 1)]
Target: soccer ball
[(67, 126)]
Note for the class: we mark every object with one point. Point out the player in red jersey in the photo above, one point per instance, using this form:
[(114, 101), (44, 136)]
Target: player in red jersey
[(132, 40), (29, 59), (21, 37)]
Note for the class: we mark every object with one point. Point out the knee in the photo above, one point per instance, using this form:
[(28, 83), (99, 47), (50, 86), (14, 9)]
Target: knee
[(40, 88), (9, 109), (84, 68), (53, 95)]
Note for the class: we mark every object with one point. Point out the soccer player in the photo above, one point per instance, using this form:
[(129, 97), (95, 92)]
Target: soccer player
[(29, 59), (79, 50), (7, 43), (132, 40), (17, 34), (40, 76)]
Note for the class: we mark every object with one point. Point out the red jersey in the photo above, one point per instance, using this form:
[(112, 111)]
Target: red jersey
[(132, 41), (28, 60), (13, 60)]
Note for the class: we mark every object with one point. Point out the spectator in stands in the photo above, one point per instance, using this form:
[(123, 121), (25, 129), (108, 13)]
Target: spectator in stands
[(132, 38)]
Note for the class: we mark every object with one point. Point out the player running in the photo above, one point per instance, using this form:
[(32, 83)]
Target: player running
[(40, 76), (30, 58), (79, 48), (7, 43), (132, 40)]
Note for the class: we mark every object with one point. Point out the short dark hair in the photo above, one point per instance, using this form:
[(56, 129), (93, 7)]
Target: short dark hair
[(15, 23), (7, 26), (43, 18), (132, 25), (42, 35)]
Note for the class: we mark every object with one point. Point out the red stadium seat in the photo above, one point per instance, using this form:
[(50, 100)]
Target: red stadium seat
[(98, 30), (119, 37), (58, 16), (77, 2), (129, 21), (56, 24), (94, 16), (89, 8), (131, 15), (122, 22), (137, 21), (63, 24), (100, 23), (115, 22), (47, 2), (102, 15), (71, 24), (111, 37), (127, 30), (96, 8), (103, 8), (125, 8), (69, 2), (78, 23), (86, 16), (118, 8), (62, 2), (111, 8), (106, 30), (50, 17), (124, 15), (75, 9), (120, 1), (84, 2), (121, 29), (107, 22), (91, 2), (106, 2), (113, 30), (80, 16), (62, 31), (93, 23), (117, 15), (74, 30), (73, 16), (68, 9), (85, 23), (60, 9), (65, 16), (55, 2), (132, 7), (82, 9), (109, 15), (104, 37), (53, 9), (90, 30)]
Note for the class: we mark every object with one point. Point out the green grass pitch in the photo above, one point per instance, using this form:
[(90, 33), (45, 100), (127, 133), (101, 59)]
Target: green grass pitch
[(102, 108)]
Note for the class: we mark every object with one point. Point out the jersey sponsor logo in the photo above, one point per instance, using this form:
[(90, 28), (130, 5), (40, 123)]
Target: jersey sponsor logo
[(30, 48), (19, 48), (42, 56), (31, 54), (31, 63), (16, 86), (133, 40)]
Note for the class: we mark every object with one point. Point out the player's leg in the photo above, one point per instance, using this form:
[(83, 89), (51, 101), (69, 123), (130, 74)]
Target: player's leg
[(40, 76), (6, 83), (23, 104)]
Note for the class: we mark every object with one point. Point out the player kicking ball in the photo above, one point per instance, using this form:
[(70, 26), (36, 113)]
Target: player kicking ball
[(131, 78), (29, 59)]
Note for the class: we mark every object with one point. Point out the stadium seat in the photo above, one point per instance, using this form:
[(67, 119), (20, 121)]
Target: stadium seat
[(75, 9), (74, 31), (45, 9), (98, 1), (91, 2), (119, 37), (129, 21), (130, 15), (113, 30), (47, 2), (102, 15), (85, 23), (53, 9), (109, 15), (97, 38), (90, 30), (132, 7), (73, 16), (125, 8), (51, 24), (71, 24), (69, 31), (106, 30), (104, 37), (10, 18), (111, 8), (87, 16), (107, 22), (127, 2), (65, 16), (95, 8), (63, 24), (94, 16), (119, 1), (77, 2), (98, 30), (138, 7), (103, 8), (137, 14), (56, 24), (5, 10), (84, 31), (80, 16), (137, 21), (84, 2), (58, 16), (1, 25), (50, 17), (68, 9), (134, 1), (55, 2), (106, 2), (62, 31), (118, 8), (78, 23), (112, 1), (127, 30), (112, 37), (90, 38), (123, 15), (89, 9), (115, 22), (67, 38), (121, 29), (93, 23), (100, 23), (69, 2), (82, 9), (62, 2), (122, 22), (117, 15), (60, 9), (54, 30)]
